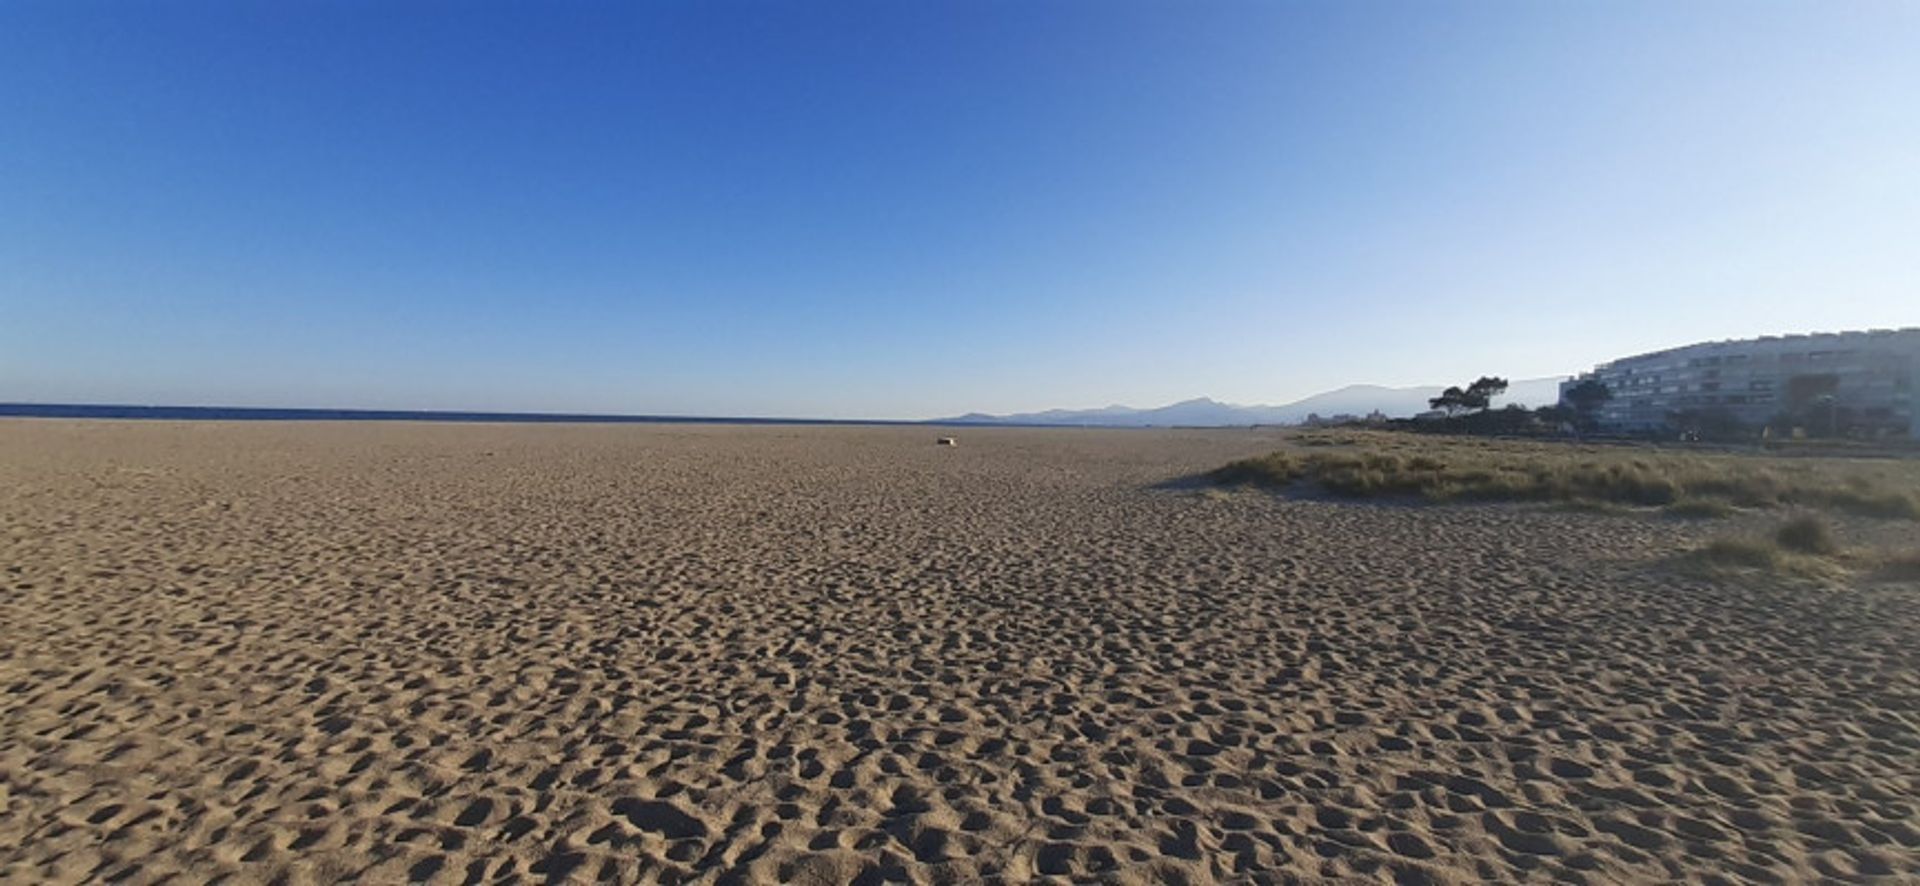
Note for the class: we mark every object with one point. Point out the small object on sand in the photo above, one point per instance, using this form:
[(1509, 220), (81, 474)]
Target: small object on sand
[(946, 441)]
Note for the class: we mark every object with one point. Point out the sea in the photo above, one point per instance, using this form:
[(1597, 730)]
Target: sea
[(247, 413)]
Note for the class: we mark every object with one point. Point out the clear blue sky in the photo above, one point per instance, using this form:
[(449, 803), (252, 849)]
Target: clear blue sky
[(911, 209)]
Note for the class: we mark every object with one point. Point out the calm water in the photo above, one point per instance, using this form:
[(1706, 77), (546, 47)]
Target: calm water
[(230, 413)]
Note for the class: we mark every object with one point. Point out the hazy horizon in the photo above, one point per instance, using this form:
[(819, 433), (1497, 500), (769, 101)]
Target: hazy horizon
[(1072, 407), (1141, 407), (867, 210)]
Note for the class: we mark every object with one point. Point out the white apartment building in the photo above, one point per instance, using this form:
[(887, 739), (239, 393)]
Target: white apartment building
[(1859, 382)]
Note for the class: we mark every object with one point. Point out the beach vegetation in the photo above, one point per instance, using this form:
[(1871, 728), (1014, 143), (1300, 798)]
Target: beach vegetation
[(1699, 509), (1803, 547), (1900, 566), (1807, 534), (1585, 399), (1686, 483), (1475, 397), (1749, 553)]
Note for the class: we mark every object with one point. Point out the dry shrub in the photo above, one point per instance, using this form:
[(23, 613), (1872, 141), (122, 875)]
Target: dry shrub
[(1807, 534), (1272, 469), (1724, 556), (1743, 552)]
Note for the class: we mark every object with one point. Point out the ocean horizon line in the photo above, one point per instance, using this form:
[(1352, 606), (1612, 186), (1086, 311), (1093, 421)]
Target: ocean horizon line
[(148, 412)]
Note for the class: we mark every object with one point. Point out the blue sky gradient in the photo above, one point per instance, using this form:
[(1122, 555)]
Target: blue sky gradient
[(905, 210)]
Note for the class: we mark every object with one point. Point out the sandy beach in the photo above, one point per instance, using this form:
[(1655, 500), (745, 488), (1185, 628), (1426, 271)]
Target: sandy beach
[(309, 652)]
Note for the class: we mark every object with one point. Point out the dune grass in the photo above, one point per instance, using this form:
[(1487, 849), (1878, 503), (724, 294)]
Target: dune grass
[(1903, 566), (1728, 558), (1589, 506), (1680, 483), (1807, 534), (1750, 553), (1803, 547), (1698, 509), (1688, 483)]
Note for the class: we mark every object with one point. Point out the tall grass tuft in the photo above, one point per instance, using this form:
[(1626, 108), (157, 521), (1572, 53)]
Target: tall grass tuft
[(1765, 555), (1807, 534), (1742, 552), (1273, 469)]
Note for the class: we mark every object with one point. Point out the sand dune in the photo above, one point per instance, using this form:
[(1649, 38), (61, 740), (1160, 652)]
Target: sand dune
[(313, 652)]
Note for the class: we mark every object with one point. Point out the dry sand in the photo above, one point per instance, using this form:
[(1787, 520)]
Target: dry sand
[(308, 652)]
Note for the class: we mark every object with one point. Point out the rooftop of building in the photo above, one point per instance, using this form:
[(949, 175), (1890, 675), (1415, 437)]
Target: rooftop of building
[(1810, 337)]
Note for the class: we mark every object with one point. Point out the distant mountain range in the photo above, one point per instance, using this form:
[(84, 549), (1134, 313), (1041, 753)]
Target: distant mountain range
[(1204, 412)]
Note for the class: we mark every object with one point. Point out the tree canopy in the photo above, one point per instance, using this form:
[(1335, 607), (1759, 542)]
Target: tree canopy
[(1587, 396), (1475, 397), (1451, 401)]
